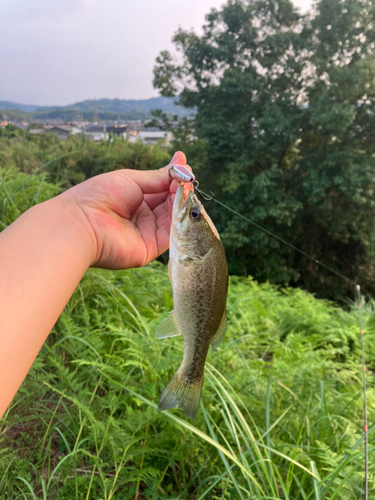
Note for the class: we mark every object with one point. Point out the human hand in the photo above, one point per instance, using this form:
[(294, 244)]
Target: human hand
[(126, 213), (116, 220)]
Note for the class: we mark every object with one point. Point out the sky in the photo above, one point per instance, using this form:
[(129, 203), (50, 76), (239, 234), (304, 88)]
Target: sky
[(64, 51)]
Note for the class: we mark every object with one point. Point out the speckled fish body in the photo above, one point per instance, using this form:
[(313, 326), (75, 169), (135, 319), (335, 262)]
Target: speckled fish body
[(199, 277)]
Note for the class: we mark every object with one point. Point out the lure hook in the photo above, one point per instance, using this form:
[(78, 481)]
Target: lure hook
[(195, 185), (206, 198)]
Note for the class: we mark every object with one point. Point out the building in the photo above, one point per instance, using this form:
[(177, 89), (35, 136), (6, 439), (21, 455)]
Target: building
[(76, 130), (118, 130), (60, 132), (152, 136), (34, 131), (96, 132), (102, 132)]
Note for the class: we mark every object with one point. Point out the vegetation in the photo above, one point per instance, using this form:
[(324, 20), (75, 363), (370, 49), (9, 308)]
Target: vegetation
[(72, 161), (282, 411), (285, 113)]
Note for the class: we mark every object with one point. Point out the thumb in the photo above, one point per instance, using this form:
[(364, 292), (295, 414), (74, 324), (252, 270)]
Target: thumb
[(178, 158), (155, 181)]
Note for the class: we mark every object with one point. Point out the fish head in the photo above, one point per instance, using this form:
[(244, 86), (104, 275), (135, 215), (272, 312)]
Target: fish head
[(192, 229)]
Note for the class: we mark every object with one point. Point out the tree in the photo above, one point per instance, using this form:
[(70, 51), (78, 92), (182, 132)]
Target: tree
[(284, 105)]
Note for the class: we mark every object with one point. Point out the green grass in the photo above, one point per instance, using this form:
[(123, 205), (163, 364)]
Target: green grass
[(281, 412), (282, 409)]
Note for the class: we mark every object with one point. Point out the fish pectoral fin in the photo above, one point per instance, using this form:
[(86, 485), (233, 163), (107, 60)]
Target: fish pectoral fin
[(219, 335), (168, 327)]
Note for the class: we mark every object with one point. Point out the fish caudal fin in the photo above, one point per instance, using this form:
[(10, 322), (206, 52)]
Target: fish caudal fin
[(181, 394)]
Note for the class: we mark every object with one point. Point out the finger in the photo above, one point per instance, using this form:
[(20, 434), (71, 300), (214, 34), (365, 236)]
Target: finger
[(154, 200), (155, 181), (162, 238), (187, 188), (163, 220), (178, 158), (155, 235), (162, 209)]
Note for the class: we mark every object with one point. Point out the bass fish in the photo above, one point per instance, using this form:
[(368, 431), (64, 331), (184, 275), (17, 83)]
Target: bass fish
[(199, 276)]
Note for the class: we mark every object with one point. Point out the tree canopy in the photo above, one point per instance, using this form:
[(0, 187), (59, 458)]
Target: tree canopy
[(285, 110)]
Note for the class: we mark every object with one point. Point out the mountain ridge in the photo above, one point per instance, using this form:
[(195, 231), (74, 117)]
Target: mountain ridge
[(141, 107)]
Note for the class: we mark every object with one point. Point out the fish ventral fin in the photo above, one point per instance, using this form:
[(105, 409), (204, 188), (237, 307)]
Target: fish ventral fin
[(181, 394), (168, 327), (219, 335)]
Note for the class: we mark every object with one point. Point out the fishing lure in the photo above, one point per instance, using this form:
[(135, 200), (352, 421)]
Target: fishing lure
[(183, 176), (181, 173)]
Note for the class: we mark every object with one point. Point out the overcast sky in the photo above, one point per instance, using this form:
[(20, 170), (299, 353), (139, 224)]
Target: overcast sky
[(63, 51)]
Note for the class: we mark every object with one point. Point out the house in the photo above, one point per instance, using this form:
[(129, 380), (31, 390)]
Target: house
[(34, 131), (118, 130), (76, 130), (97, 132), (152, 136), (102, 132), (60, 132)]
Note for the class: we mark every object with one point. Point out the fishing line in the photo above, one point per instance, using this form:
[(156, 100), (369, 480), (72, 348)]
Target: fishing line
[(280, 239), (365, 428), (358, 288)]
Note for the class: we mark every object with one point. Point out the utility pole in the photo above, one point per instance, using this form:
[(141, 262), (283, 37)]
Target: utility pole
[(95, 111)]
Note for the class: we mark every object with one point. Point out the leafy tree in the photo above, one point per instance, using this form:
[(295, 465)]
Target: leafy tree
[(284, 108), (161, 120)]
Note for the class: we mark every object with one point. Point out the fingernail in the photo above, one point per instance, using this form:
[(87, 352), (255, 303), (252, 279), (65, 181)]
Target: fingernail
[(174, 158)]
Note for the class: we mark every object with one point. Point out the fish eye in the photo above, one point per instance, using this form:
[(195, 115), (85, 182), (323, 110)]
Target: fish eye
[(194, 214)]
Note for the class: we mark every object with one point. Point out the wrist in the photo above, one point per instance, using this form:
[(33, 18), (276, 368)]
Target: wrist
[(64, 216)]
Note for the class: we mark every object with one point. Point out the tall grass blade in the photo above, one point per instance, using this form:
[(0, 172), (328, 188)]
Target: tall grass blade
[(316, 487)]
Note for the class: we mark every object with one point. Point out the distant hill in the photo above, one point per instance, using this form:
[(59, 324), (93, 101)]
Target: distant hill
[(130, 105), (14, 105), (108, 109)]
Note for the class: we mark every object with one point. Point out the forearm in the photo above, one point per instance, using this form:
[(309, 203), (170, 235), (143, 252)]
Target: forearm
[(43, 256)]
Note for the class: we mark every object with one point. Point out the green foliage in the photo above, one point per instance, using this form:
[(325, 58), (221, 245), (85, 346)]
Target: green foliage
[(20, 191), (14, 114), (281, 401), (285, 115), (281, 413), (76, 159)]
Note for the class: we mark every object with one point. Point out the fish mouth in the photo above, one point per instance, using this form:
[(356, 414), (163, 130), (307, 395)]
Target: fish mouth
[(182, 199), (187, 199)]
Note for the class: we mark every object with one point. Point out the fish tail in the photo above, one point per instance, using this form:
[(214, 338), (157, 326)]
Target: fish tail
[(179, 393)]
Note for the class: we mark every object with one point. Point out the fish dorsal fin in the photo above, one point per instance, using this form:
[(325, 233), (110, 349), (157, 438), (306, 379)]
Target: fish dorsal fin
[(219, 335), (168, 327)]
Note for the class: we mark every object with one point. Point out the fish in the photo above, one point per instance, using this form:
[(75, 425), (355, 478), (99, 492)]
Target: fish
[(198, 273)]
